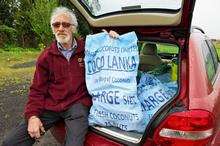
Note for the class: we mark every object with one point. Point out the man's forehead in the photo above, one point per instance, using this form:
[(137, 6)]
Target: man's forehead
[(62, 16)]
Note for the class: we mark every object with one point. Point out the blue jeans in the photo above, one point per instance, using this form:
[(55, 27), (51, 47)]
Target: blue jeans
[(76, 122)]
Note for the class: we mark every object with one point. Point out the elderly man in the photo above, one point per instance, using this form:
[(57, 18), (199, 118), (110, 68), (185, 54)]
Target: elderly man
[(58, 90)]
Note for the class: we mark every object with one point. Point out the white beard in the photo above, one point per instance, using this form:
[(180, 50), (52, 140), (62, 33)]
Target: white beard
[(63, 39)]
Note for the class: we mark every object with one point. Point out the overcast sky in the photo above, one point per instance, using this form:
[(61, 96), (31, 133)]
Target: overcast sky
[(207, 16)]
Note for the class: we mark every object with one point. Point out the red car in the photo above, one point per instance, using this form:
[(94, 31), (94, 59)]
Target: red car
[(192, 116)]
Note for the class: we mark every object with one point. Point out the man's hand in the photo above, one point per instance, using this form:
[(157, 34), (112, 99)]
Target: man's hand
[(112, 33), (35, 127)]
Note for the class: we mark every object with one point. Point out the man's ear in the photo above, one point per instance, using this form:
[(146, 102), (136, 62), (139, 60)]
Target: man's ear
[(74, 29), (75, 33), (53, 31)]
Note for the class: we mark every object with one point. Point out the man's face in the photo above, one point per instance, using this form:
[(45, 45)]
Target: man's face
[(63, 29)]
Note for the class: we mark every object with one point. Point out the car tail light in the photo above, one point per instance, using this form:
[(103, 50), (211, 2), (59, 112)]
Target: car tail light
[(187, 128)]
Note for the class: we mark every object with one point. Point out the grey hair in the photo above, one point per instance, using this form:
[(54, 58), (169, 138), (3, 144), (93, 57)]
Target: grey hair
[(63, 10)]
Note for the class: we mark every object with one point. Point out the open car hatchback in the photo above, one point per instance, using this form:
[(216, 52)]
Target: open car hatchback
[(182, 55)]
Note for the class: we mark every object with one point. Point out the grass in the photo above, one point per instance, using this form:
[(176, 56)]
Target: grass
[(174, 50), (16, 66), (217, 46)]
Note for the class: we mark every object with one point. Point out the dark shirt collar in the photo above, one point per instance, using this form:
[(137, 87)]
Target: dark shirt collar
[(61, 48), (80, 47)]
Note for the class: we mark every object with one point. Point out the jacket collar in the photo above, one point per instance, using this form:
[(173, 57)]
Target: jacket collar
[(73, 47), (54, 49)]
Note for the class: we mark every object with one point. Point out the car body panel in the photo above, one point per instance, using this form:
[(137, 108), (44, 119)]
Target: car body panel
[(195, 90), (203, 94)]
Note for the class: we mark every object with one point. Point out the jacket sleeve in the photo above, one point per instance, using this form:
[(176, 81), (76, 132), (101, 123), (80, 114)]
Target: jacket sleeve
[(38, 89)]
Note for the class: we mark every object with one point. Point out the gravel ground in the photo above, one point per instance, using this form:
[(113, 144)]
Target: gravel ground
[(12, 100)]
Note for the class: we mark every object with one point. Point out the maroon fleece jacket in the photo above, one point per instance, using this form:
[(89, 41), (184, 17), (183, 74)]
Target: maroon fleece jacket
[(57, 83)]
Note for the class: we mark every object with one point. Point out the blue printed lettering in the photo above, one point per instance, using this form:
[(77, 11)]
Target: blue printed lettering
[(143, 107), (95, 65), (106, 97), (133, 62), (129, 49), (148, 105), (112, 123), (159, 97), (101, 113), (128, 117), (121, 80), (153, 101), (164, 94), (111, 62), (121, 63), (129, 100)]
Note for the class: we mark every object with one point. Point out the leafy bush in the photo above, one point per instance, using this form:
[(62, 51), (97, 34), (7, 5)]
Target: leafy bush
[(40, 19), (26, 36), (8, 35), (217, 46)]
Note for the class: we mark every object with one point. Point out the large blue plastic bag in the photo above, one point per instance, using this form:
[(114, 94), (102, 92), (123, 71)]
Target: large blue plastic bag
[(165, 79), (153, 94), (111, 70)]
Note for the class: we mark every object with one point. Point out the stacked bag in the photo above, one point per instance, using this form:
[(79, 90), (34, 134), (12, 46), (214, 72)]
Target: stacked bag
[(111, 71)]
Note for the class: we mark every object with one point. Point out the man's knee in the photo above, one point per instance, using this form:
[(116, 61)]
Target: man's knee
[(7, 141), (18, 136)]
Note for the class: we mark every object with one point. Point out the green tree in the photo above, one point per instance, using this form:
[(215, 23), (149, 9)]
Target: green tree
[(83, 26), (7, 10), (7, 32), (26, 35), (8, 35), (40, 19)]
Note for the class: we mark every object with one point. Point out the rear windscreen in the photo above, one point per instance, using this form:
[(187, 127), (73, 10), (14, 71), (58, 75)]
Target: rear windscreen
[(100, 7)]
